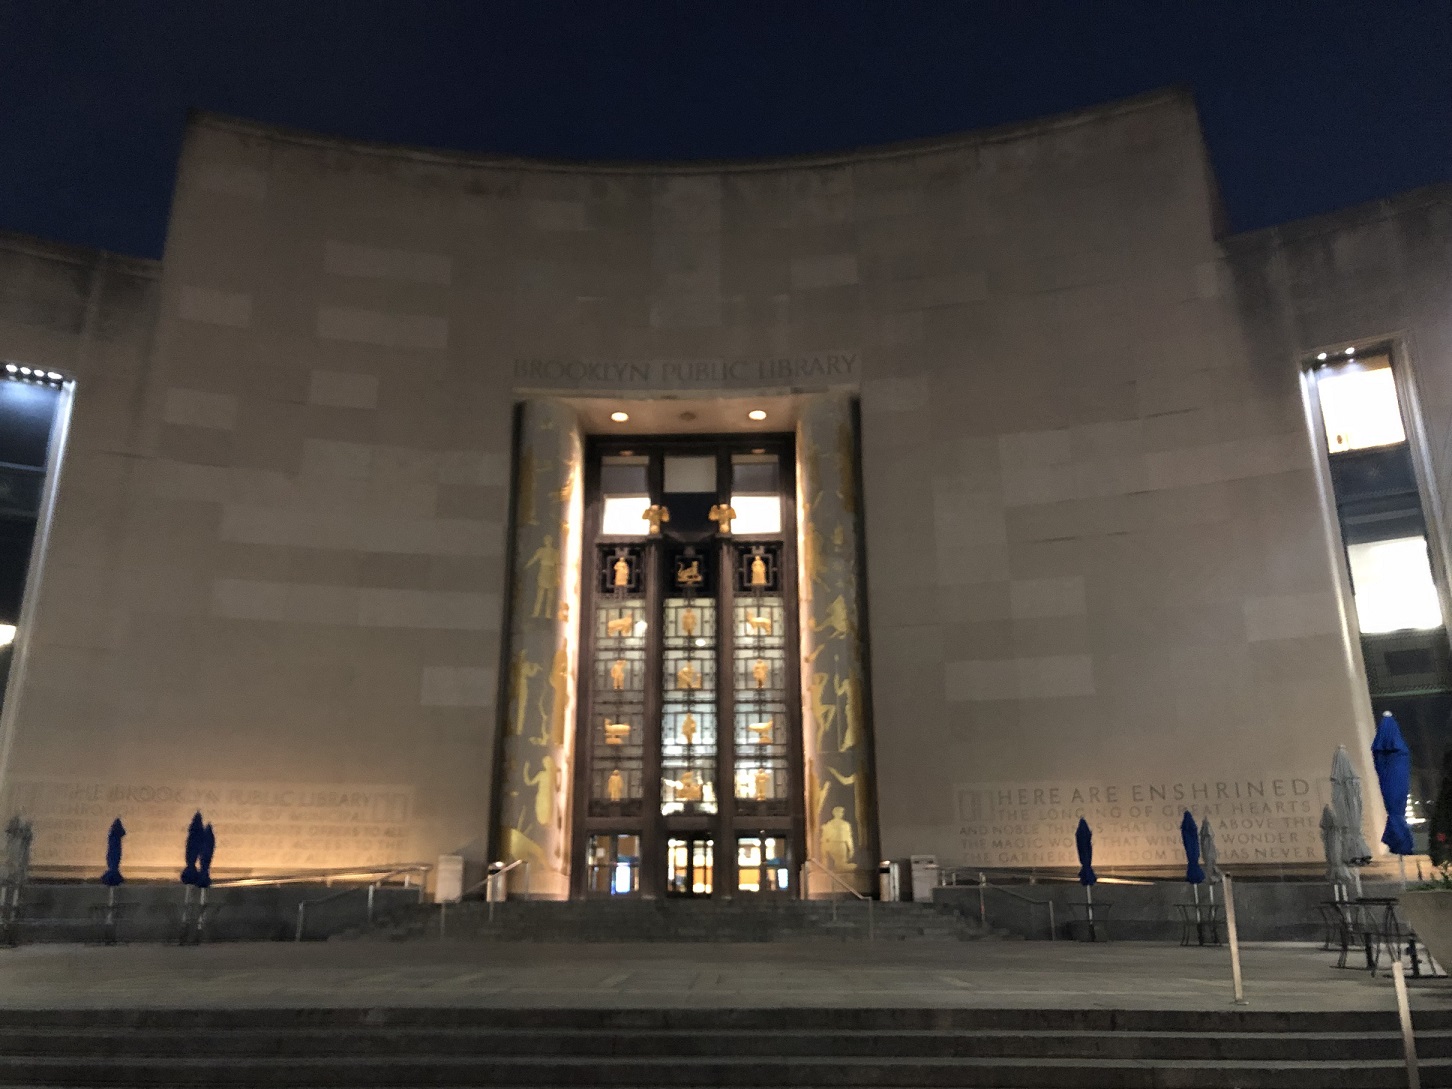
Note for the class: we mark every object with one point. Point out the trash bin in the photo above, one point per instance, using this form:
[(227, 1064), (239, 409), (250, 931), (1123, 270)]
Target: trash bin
[(889, 881), (925, 877), (449, 879)]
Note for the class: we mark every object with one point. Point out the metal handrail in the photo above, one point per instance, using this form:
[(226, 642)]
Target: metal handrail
[(303, 905), (984, 886), (327, 877), (813, 862), (492, 875)]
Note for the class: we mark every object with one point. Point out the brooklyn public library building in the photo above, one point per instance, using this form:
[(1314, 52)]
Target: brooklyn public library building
[(667, 526)]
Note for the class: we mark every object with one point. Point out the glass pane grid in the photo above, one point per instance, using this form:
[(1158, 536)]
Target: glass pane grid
[(759, 677), (688, 714), (617, 718)]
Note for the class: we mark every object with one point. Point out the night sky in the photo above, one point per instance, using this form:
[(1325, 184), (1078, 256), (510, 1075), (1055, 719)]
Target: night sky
[(1307, 105)]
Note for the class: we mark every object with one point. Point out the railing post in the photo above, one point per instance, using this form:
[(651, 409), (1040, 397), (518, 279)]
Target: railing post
[(983, 899), (1053, 927), (301, 912), (371, 888)]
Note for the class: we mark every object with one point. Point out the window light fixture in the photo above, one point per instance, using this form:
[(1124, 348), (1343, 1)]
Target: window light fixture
[(756, 414), (620, 417)]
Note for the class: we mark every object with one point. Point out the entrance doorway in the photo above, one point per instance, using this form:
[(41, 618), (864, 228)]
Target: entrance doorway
[(689, 731)]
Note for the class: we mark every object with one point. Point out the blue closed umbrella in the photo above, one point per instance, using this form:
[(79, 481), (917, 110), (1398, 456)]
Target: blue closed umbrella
[(1393, 762), (112, 876), (208, 846), (193, 849), (1084, 843), (1190, 835)]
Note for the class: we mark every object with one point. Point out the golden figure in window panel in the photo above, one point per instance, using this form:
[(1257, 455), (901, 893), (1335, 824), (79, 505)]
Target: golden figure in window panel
[(758, 625), (621, 570), (617, 674), (655, 514), (688, 728), (688, 677), (546, 561), (620, 626), (762, 784), (689, 789), (616, 733), (758, 572), (838, 845), (761, 731), (689, 574), (722, 514), (690, 620), (760, 672), (615, 785)]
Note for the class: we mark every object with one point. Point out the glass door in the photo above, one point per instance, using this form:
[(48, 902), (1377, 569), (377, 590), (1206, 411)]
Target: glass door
[(689, 734)]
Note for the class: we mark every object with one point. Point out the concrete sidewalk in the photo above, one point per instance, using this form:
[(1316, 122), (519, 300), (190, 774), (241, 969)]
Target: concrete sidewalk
[(1137, 975)]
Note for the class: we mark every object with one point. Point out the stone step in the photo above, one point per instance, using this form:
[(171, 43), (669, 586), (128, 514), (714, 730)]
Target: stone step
[(678, 1072), (486, 1044)]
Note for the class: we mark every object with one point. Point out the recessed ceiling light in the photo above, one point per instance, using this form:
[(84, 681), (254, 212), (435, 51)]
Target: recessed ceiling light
[(620, 417), (756, 414), (53, 375), (1350, 351), (1321, 355)]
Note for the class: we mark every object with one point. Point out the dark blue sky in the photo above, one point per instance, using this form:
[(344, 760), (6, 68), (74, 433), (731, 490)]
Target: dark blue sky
[(1308, 105)]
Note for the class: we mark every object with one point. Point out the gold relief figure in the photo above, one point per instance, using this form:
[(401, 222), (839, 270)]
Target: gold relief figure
[(526, 489), (689, 574), (846, 468), (758, 625), (689, 789), (835, 620), (544, 790), (762, 782), (761, 731), (617, 674), (689, 620), (655, 514), (722, 514), (621, 569), (546, 561), (560, 703), (688, 676), (838, 846), (521, 670), (758, 571), (615, 785), (859, 795), (518, 845), (848, 689), (760, 671), (616, 733), (620, 626), (839, 538), (688, 728), (823, 713)]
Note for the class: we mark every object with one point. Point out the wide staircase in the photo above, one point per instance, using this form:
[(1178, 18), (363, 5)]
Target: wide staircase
[(645, 1049), (673, 921)]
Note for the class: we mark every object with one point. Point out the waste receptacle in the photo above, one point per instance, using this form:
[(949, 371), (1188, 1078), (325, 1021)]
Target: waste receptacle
[(925, 877), (889, 881)]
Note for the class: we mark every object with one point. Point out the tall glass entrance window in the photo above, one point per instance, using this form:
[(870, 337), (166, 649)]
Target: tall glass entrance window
[(689, 732)]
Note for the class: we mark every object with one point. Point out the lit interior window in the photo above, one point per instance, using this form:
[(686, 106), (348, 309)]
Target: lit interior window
[(1394, 587), (1359, 405), (756, 514), (624, 516)]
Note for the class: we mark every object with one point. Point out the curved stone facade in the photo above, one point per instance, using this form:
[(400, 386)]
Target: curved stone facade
[(1100, 572)]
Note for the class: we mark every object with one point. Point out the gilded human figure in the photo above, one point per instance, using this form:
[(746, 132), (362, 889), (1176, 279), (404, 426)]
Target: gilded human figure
[(722, 514), (560, 699), (615, 785), (690, 620), (621, 570), (760, 671), (617, 674), (688, 676), (546, 561), (838, 846), (859, 796), (688, 728), (521, 670), (543, 782), (848, 688), (836, 620), (689, 789), (655, 514), (824, 714), (758, 571), (761, 781)]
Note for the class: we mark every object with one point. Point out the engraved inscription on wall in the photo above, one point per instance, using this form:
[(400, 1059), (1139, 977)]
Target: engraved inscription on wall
[(1138, 823), (816, 370), (260, 826)]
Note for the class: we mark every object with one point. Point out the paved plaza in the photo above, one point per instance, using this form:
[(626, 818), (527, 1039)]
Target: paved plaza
[(1138, 975)]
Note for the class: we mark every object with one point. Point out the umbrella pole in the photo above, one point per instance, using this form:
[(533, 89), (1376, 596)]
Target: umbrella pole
[(1089, 900)]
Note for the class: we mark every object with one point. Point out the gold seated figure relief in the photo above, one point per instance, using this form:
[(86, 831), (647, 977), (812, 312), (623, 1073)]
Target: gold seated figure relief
[(689, 788), (688, 677), (688, 728)]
